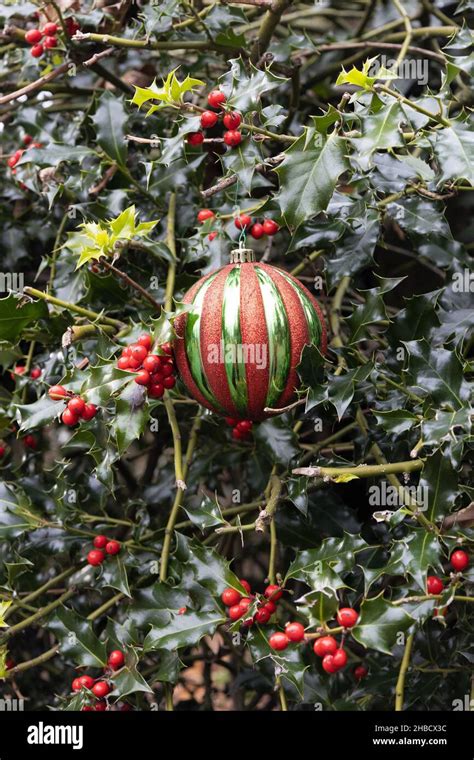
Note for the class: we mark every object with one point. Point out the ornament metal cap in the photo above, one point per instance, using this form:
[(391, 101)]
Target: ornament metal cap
[(242, 255)]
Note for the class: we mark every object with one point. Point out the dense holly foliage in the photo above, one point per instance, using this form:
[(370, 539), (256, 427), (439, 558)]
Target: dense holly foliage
[(141, 142)]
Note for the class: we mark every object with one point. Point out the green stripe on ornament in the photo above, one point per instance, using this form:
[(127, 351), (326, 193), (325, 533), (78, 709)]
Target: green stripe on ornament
[(193, 343), (311, 315), (278, 331), (232, 342)]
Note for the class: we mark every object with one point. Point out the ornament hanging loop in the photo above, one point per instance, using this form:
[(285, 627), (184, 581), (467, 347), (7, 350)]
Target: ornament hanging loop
[(242, 255)]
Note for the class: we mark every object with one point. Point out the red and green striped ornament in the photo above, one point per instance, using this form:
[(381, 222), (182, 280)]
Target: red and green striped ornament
[(238, 349)]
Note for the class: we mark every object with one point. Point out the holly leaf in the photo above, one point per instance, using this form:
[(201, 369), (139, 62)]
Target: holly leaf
[(308, 175), (16, 314), (109, 121), (380, 623), (77, 640)]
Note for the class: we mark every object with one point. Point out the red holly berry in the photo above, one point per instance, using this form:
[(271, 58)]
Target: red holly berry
[(245, 426), (347, 617), (182, 610), (116, 659), (87, 682), (295, 631), (434, 585), (76, 684), (262, 615), (273, 592), (57, 392), (27, 139), (328, 663), (236, 612), (232, 138), (195, 138), (278, 641), (325, 645), (230, 597), (30, 441), (33, 36), (156, 391), (459, 560), (245, 584), (35, 373), (87, 708), (138, 352), (243, 221), (237, 434), (37, 51), (339, 658), (90, 410), (50, 42), (167, 370), (271, 607), (50, 28), (9, 663), (145, 340), (152, 363), (257, 230), (100, 706), (123, 362), (2, 451), (232, 422), (113, 547), (143, 377), (133, 363), (216, 98), (101, 689), (270, 227), (95, 557), (204, 214), (20, 369), (169, 382), (167, 348), (76, 405), (100, 542), (360, 672), (212, 236), (232, 120), (208, 119), (245, 602)]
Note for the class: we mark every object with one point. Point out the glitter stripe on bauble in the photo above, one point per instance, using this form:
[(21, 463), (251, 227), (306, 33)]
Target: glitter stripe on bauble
[(239, 347)]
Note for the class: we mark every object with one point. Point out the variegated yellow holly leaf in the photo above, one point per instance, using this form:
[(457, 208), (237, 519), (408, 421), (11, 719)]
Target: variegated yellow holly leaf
[(3, 608), (361, 78), (169, 94), (344, 478), (96, 239)]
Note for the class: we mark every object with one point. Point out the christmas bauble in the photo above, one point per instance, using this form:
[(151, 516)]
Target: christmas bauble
[(238, 349)]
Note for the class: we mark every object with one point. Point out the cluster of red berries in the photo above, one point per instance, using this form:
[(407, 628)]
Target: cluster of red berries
[(103, 546), (76, 408), (20, 369), (231, 120), (334, 657), (99, 688), (28, 143), (242, 429), (46, 38), (157, 372), (238, 604), (256, 229), (242, 222)]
